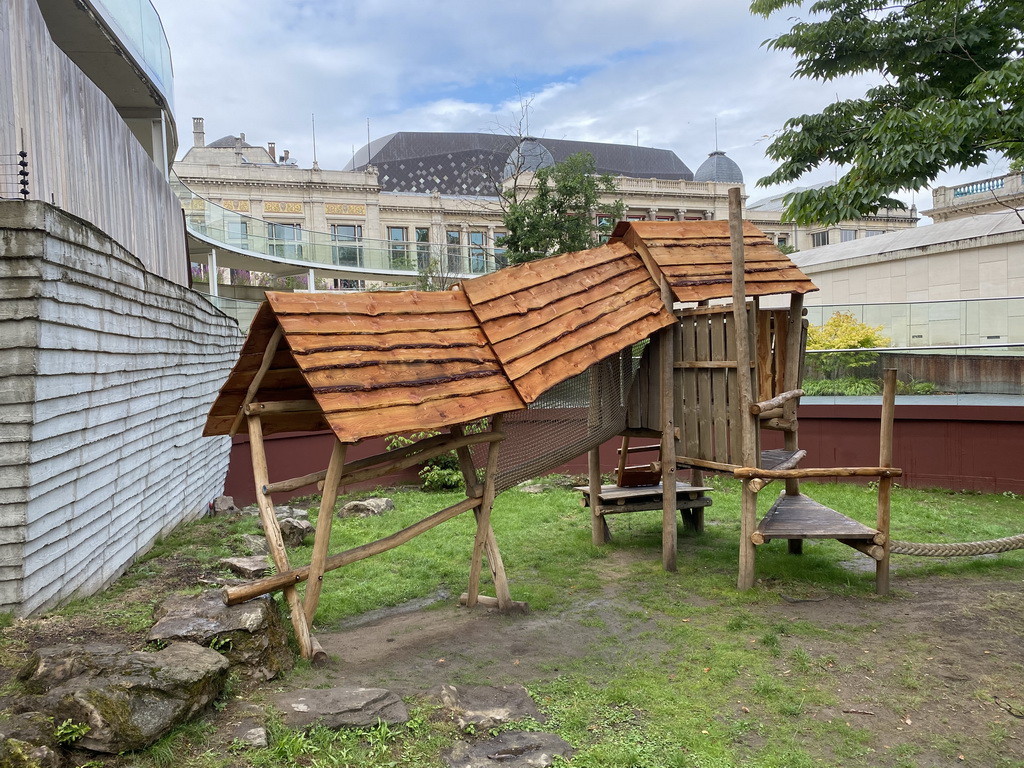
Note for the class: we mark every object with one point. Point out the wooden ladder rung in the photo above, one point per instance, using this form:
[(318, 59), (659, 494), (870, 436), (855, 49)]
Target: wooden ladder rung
[(800, 517)]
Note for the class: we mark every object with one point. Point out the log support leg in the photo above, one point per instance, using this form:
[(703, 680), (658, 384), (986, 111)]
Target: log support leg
[(274, 541), (599, 533), (748, 524), (322, 542), (795, 546)]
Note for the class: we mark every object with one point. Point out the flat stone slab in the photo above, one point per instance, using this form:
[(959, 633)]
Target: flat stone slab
[(367, 507), (485, 706), (340, 707), (253, 567), (513, 749)]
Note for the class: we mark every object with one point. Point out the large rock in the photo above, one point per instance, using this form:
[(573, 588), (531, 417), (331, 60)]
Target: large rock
[(224, 505), (340, 707), (512, 749), (366, 507), (27, 741), (128, 700), (294, 532), (485, 706), (250, 635), (255, 544)]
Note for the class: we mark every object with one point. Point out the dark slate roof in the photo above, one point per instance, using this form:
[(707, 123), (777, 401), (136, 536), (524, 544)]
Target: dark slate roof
[(470, 163), (718, 167), (227, 142)]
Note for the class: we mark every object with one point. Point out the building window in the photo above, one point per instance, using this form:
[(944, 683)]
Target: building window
[(423, 248), (238, 233), (846, 235), (347, 255), (636, 217), (782, 240), (453, 238), (664, 218), (398, 248), (819, 239), (477, 254), (284, 240), (873, 232)]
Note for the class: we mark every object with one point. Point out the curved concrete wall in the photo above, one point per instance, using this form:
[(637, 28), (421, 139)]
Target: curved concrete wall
[(82, 156)]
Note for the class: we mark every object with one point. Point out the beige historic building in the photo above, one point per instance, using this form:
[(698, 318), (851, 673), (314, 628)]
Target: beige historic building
[(412, 194), (998, 194)]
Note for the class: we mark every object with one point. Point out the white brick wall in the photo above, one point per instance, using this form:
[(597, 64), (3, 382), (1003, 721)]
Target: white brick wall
[(108, 373)]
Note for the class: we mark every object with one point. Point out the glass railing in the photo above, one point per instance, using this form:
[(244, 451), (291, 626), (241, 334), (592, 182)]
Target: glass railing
[(359, 257), (242, 311), (964, 375), (137, 25), (954, 323)]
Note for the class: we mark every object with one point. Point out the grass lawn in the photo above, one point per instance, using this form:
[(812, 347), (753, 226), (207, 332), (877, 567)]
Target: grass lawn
[(645, 668)]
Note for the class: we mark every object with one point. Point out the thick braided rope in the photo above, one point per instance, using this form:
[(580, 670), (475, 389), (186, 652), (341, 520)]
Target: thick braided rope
[(956, 550)]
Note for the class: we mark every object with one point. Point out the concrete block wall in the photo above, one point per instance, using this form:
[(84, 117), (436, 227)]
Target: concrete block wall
[(110, 370)]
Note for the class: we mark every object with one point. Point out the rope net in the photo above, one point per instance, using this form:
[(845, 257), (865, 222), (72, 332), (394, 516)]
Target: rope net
[(565, 422)]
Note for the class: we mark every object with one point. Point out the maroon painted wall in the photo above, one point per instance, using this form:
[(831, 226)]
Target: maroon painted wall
[(977, 448)]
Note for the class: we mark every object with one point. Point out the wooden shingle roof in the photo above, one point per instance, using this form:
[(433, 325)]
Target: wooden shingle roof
[(696, 258), (371, 364), (376, 363), (551, 319)]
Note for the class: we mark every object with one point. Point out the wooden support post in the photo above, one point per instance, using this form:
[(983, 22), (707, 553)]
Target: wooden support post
[(748, 446), (792, 376), (254, 386), (666, 367), (485, 540), (623, 459), (273, 533), (599, 534), (322, 542), (885, 483)]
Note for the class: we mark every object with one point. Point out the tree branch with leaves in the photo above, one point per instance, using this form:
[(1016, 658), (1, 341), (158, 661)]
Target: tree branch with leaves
[(953, 91), (568, 211)]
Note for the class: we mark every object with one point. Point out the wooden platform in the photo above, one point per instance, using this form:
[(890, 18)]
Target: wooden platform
[(800, 517), (614, 500)]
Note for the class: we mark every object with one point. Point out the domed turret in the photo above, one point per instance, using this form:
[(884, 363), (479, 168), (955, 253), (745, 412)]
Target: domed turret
[(718, 167), (529, 155)]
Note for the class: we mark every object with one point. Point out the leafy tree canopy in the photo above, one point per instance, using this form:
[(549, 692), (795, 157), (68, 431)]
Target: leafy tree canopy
[(953, 91), (564, 214)]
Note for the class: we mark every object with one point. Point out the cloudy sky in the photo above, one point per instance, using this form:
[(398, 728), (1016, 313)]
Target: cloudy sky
[(659, 73)]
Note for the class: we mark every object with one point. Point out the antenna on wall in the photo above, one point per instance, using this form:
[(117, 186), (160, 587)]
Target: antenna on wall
[(716, 134), (367, 141), (312, 118)]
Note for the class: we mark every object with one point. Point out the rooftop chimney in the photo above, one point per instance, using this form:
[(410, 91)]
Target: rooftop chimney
[(272, 150), (198, 132)]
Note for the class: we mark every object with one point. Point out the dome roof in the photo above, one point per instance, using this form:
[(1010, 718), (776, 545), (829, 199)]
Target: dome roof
[(228, 142), (529, 155), (718, 167)]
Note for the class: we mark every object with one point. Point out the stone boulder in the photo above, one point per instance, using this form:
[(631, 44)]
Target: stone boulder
[(512, 749), (128, 699), (294, 532), (485, 706), (27, 741), (366, 507), (253, 567), (340, 707), (224, 505), (255, 544), (283, 512), (249, 635)]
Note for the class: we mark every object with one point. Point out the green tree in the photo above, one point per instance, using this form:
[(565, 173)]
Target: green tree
[(565, 212), (952, 91)]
